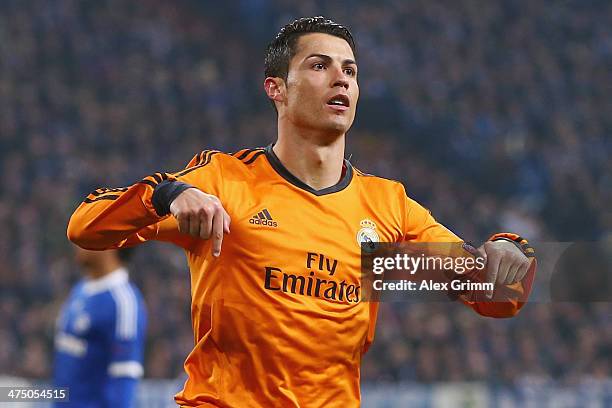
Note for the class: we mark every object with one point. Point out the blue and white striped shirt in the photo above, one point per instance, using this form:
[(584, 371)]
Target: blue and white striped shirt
[(99, 344)]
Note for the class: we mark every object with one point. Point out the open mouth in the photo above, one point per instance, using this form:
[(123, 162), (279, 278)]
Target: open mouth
[(339, 102)]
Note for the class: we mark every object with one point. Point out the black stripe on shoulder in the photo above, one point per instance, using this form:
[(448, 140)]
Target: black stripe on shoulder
[(202, 162), (255, 156), (106, 197), (241, 154), (209, 156)]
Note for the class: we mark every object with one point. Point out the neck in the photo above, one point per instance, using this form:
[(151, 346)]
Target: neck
[(101, 270), (314, 160)]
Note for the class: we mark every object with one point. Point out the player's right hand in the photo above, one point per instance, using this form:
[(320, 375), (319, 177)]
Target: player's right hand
[(201, 215)]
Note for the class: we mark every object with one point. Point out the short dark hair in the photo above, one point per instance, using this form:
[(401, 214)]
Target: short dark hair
[(283, 47)]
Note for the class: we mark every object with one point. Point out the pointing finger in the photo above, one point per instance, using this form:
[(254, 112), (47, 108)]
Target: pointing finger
[(217, 232)]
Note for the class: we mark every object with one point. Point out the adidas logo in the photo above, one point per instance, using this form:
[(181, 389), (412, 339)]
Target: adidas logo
[(263, 218)]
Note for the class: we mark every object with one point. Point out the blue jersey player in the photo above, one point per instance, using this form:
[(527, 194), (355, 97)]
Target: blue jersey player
[(100, 336)]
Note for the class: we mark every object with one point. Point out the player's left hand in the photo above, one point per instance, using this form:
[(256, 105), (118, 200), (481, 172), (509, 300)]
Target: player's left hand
[(506, 263)]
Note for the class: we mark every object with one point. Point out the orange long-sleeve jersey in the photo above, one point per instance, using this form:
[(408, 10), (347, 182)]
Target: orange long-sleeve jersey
[(277, 318)]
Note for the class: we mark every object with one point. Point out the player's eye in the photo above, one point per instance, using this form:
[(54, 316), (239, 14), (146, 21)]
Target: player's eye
[(349, 71), (318, 66)]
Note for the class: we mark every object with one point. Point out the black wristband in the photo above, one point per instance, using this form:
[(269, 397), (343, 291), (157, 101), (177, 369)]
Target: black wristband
[(164, 193)]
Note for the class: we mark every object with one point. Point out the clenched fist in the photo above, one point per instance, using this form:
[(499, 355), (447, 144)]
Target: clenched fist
[(201, 215), (506, 264)]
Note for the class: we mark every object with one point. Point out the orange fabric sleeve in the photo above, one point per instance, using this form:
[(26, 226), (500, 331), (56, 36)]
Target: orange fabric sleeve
[(421, 226), (124, 217)]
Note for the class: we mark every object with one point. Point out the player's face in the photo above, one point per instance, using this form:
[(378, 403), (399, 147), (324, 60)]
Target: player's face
[(322, 90)]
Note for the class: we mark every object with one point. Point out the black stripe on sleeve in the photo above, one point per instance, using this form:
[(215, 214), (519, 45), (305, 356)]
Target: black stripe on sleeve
[(201, 157), (157, 178), (106, 197), (147, 182), (99, 191)]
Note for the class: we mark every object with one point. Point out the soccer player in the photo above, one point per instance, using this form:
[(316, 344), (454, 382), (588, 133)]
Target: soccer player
[(272, 237), (100, 335)]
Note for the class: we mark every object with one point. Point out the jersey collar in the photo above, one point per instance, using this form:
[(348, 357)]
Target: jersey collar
[(284, 173), (115, 278)]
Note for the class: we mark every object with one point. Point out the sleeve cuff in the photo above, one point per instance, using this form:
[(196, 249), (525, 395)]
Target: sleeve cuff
[(164, 193)]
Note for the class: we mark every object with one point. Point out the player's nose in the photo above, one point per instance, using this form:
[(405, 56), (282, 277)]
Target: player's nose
[(341, 82), (339, 78)]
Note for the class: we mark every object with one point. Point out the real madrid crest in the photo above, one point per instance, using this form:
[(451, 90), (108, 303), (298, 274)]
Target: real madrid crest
[(367, 235)]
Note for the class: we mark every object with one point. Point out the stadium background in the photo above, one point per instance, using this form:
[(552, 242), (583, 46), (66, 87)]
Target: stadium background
[(496, 116)]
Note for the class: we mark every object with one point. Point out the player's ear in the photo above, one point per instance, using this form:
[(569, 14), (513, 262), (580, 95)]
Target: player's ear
[(275, 88)]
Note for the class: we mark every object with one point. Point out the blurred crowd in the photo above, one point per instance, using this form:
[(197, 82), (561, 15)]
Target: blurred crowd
[(495, 115)]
